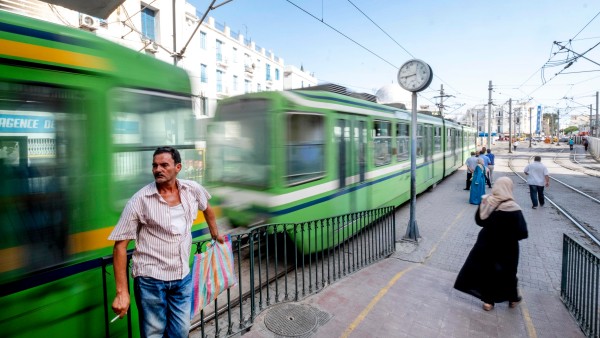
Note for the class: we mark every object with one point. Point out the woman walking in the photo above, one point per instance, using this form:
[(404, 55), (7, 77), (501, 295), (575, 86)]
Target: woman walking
[(490, 271), (477, 183)]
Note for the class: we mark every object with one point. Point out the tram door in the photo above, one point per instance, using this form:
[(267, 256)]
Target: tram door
[(428, 151), (351, 137)]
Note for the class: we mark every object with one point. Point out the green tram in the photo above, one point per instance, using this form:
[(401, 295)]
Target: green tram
[(294, 156), (79, 120)]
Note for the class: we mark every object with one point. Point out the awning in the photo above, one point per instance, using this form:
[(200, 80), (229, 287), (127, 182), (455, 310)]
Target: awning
[(98, 8)]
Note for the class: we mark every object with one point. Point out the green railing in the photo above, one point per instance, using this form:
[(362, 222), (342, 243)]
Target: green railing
[(580, 285), (278, 263)]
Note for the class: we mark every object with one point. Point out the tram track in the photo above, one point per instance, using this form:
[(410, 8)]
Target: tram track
[(575, 165), (562, 199)]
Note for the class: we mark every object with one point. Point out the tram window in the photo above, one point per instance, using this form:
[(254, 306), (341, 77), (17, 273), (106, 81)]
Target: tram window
[(403, 141), (42, 144), (305, 148), (437, 139), (382, 141), (239, 144), (420, 144), (141, 122)]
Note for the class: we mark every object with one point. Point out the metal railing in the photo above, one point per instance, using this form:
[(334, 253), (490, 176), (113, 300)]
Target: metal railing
[(580, 285), (278, 263)]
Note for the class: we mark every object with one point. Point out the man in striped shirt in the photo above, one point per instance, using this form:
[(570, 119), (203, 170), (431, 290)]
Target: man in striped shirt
[(159, 219)]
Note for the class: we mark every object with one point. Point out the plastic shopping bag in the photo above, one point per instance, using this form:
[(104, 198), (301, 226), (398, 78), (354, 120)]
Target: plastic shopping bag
[(212, 273)]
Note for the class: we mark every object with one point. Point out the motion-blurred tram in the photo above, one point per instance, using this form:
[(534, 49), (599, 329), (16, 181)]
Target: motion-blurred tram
[(293, 156), (79, 120)]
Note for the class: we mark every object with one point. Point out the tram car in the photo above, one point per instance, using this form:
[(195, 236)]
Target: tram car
[(299, 155), (80, 118)]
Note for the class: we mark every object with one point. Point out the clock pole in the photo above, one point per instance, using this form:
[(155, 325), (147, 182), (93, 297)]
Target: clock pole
[(412, 231), (414, 76)]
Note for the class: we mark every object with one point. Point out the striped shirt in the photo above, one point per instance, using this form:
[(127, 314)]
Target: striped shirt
[(160, 252)]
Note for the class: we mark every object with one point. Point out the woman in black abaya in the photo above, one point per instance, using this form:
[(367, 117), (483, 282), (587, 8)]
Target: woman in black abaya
[(490, 271)]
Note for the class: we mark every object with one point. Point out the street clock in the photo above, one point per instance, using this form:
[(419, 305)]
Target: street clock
[(415, 75)]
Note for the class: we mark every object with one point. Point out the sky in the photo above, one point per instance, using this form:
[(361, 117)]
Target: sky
[(361, 44)]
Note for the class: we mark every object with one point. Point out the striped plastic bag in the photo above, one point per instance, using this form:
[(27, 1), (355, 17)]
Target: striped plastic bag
[(212, 273)]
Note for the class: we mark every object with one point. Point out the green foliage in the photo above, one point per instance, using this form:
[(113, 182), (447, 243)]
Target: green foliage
[(571, 129)]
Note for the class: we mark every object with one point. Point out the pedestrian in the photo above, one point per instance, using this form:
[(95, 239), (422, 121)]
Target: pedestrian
[(477, 183), (492, 158), (486, 162), (471, 163), (571, 143), (515, 145), (537, 177), (159, 219), (585, 143), (490, 270)]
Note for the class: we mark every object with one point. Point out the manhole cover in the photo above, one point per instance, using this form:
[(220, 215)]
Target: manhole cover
[(291, 320)]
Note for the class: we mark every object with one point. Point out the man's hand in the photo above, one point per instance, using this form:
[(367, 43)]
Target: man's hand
[(219, 238), (121, 304)]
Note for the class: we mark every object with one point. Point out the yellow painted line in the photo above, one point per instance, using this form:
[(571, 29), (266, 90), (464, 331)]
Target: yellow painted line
[(531, 333), (374, 301), (54, 55), (456, 219)]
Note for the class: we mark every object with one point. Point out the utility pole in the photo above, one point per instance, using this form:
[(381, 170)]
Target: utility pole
[(442, 100), (590, 120), (509, 126), (596, 133), (489, 138), (558, 125), (530, 134), (442, 96)]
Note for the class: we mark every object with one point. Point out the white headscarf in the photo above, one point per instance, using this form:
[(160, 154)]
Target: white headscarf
[(501, 198)]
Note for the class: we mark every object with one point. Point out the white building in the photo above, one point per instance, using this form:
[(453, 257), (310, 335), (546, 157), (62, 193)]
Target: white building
[(221, 62), (297, 78)]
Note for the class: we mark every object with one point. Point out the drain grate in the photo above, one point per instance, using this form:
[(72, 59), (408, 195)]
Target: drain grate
[(291, 320)]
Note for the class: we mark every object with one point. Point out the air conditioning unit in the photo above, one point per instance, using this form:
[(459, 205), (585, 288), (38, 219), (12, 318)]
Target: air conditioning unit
[(89, 22), (150, 46)]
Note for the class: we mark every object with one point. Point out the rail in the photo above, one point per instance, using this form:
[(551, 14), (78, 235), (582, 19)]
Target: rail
[(279, 263), (580, 285)]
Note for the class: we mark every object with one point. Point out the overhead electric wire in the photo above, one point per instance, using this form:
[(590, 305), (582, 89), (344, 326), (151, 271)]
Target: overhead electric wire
[(396, 42), (585, 26), (344, 35)]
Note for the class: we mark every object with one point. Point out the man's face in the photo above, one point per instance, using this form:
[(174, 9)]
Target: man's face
[(164, 168)]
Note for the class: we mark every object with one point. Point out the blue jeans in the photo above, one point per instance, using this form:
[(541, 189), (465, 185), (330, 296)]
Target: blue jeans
[(536, 191), (164, 307)]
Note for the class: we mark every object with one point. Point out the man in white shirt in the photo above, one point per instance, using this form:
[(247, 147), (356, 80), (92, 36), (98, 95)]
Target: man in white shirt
[(537, 178), (471, 163), (159, 219)]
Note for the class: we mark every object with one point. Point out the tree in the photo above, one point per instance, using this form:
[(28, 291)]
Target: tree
[(570, 130)]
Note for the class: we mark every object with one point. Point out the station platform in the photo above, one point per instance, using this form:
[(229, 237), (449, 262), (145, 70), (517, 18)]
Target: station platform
[(411, 294)]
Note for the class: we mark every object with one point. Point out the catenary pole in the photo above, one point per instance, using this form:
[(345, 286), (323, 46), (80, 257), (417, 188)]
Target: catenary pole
[(442, 100), (596, 132), (489, 129), (530, 134), (590, 131), (509, 126)]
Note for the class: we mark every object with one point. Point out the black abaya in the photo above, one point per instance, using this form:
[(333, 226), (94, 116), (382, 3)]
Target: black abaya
[(490, 271)]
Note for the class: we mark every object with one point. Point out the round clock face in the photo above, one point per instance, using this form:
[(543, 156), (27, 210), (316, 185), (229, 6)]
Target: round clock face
[(415, 75)]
